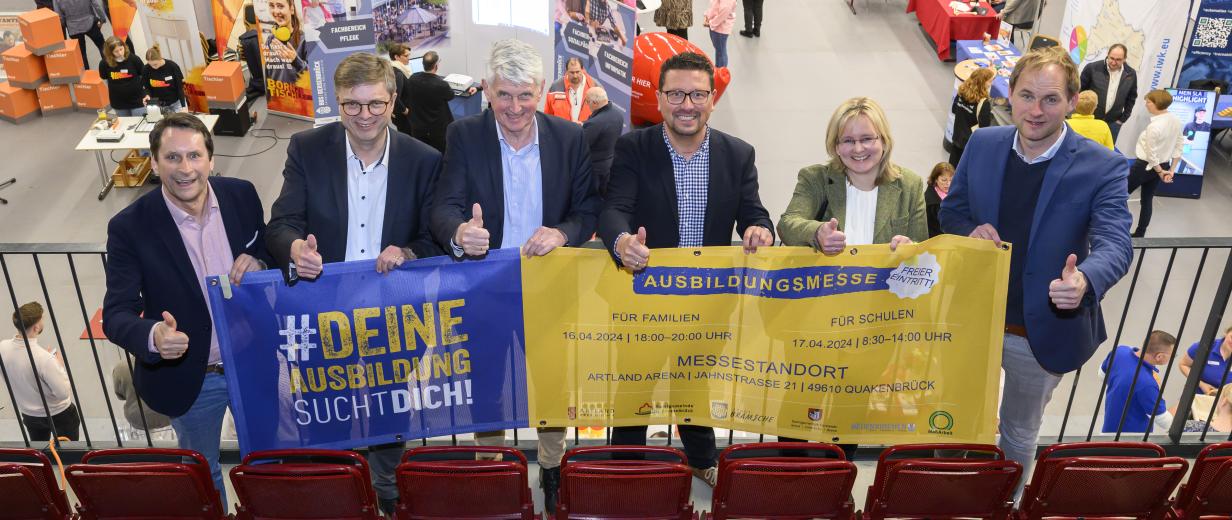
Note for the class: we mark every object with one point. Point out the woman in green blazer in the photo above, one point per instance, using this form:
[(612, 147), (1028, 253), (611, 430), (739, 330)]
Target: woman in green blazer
[(858, 197)]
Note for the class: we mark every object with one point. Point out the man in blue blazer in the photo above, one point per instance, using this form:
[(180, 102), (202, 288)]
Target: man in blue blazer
[(160, 249), (1060, 199), (515, 178)]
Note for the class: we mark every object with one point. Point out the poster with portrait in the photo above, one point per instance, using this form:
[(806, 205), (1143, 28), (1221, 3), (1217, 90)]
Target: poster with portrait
[(600, 33), (284, 52), (334, 30), (1194, 108), (10, 36), (420, 24)]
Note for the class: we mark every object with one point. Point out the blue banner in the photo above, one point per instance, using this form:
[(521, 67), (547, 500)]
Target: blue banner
[(356, 358), (1209, 55)]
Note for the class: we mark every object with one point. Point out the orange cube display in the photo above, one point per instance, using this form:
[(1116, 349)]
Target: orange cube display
[(17, 104), (223, 82), (54, 98), (91, 92), (25, 69), (64, 66), (41, 30)]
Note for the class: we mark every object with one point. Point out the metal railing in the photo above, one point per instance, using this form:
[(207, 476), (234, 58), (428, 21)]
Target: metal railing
[(69, 280)]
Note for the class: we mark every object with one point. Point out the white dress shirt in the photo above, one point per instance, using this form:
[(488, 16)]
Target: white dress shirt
[(576, 98), (861, 216), (366, 190), (1161, 141), (1114, 82), (51, 376)]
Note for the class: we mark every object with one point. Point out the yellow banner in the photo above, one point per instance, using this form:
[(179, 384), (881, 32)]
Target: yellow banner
[(869, 346)]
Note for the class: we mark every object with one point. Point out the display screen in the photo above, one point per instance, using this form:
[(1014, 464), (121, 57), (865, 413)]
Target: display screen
[(1195, 109), (1222, 118)]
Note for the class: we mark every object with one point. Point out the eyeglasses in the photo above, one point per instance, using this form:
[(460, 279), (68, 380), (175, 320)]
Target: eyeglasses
[(376, 108), (864, 141), (676, 97)]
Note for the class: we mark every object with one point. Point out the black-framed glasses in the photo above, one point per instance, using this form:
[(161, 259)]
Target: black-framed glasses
[(376, 108), (676, 97)]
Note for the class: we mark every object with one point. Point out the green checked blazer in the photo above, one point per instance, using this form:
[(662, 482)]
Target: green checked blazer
[(900, 206)]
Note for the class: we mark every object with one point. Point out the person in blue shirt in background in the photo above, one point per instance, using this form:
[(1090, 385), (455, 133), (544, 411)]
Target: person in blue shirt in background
[(1143, 397), (1215, 371)]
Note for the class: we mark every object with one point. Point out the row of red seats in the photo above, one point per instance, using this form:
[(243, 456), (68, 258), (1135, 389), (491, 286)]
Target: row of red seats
[(764, 480)]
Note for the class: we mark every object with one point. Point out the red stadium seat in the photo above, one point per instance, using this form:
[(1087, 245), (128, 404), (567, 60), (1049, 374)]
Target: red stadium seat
[(304, 484), (142, 483), (938, 487), (609, 489), (28, 487), (758, 480), (1209, 489), (1126, 483), (446, 482)]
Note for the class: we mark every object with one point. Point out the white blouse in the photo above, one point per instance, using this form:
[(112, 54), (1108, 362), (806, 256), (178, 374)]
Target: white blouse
[(860, 220)]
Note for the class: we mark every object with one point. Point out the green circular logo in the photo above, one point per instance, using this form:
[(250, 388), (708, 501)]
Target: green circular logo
[(941, 420)]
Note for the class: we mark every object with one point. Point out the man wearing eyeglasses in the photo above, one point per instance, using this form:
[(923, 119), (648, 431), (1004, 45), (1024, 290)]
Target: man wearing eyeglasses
[(682, 184), (354, 190), (1116, 85), (516, 178)]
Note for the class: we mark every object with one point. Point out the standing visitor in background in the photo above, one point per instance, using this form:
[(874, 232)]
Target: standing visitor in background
[(164, 82), (122, 72), (938, 187), (47, 373), (1158, 154), (971, 109), (720, 18), (1084, 122), (676, 16), (82, 19), (1116, 84), (752, 18)]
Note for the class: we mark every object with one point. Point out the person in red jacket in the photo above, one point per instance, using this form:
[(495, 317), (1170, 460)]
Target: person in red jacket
[(567, 97)]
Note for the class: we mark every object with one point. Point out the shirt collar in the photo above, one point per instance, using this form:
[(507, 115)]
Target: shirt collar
[(384, 157), (179, 216), (500, 135), (1048, 154), (705, 147)]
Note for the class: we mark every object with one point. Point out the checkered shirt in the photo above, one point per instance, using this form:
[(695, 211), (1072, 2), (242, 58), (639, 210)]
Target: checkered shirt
[(692, 183)]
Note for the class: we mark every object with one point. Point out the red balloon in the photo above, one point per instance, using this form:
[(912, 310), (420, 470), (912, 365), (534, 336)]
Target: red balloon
[(650, 50)]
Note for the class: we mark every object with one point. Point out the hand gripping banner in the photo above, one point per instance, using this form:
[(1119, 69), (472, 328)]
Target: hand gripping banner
[(869, 346)]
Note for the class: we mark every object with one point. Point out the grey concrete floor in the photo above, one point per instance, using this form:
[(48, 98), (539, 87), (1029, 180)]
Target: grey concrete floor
[(813, 54)]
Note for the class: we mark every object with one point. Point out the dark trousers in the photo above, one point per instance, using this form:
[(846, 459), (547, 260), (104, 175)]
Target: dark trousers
[(753, 14), (849, 450), (1148, 180), (95, 34), (1115, 126), (698, 442), (955, 154), (67, 423), (682, 32)]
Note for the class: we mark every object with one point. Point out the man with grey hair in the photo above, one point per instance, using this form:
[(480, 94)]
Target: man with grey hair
[(353, 190), (602, 130), (531, 174)]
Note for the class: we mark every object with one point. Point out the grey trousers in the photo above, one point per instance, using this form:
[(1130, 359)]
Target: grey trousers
[(1028, 388), (551, 444)]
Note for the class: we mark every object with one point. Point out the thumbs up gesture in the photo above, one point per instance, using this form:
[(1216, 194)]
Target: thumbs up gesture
[(830, 239), (633, 251), (307, 259), (1066, 292), (170, 343), (471, 236)]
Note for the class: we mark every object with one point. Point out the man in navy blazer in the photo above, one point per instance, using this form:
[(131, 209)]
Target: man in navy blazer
[(515, 178), (682, 160), (357, 190), (160, 249), (1060, 199), (602, 129)]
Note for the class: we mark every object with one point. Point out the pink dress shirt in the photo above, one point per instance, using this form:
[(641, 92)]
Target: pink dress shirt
[(721, 16), (208, 250)]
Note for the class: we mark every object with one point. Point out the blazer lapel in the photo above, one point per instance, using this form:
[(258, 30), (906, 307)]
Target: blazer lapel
[(337, 156), (717, 179), (888, 196), (666, 176), (496, 179), (988, 182), (397, 190), (1056, 171), (835, 190), (551, 170)]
